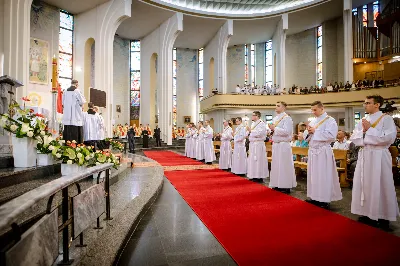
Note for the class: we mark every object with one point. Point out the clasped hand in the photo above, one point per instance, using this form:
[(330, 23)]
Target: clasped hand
[(365, 124)]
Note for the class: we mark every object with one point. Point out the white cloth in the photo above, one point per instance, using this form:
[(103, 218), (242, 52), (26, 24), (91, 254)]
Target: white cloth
[(193, 145), (225, 151), (188, 143), (257, 164), (282, 168), (200, 144), (72, 108), (101, 127), (91, 127), (209, 154), (373, 192), (322, 177), (341, 145), (239, 157)]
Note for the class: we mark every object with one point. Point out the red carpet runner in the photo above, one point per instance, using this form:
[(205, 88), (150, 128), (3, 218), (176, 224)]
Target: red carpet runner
[(259, 226)]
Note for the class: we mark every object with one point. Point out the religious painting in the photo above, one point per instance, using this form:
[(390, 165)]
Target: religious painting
[(341, 122), (118, 108), (35, 99), (38, 61), (187, 119)]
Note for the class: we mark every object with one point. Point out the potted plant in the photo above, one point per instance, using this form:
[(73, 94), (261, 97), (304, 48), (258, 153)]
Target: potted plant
[(73, 156), (116, 146), (25, 127), (45, 145)]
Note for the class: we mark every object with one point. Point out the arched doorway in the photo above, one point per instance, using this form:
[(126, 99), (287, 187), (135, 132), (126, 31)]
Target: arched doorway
[(89, 68), (211, 75), (154, 112)]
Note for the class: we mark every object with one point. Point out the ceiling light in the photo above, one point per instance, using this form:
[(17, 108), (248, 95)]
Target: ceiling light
[(365, 62)]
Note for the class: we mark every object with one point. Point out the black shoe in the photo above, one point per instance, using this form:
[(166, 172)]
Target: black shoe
[(384, 225), (366, 220), (310, 201), (285, 190)]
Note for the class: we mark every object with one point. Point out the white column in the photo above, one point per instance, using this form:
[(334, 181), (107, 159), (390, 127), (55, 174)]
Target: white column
[(282, 71), (348, 40), (101, 24), (16, 37), (349, 119)]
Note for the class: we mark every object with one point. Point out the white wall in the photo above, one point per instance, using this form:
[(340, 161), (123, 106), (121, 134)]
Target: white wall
[(44, 26), (301, 59), (186, 85), (235, 61), (1, 39), (260, 64), (121, 79)]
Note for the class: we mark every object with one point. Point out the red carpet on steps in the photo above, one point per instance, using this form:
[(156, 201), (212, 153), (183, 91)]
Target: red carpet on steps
[(167, 158), (260, 226)]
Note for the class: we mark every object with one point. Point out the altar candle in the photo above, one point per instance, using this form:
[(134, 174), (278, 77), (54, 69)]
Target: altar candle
[(55, 75)]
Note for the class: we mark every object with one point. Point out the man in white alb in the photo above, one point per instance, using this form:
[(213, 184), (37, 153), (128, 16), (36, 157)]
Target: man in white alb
[(188, 142), (239, 156), (200, 142), (322, 177), (225, 151), (374, 194), (209, 154), (91, 126), (257, 164), (282, 177)]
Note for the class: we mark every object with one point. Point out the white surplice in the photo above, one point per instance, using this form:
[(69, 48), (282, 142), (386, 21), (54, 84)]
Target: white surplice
[(257, 164), (101, 127), (373, 192), (200, 144), (209, 154), (282, 167), (322, 177), (225, 151), (193, 145), (239, 157), (188, 142), (91, 127)]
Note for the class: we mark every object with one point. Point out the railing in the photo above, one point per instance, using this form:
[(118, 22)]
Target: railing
[(10, 212)]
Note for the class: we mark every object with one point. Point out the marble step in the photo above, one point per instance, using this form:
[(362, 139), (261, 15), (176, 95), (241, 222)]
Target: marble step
[(6, 161), (14, 176)]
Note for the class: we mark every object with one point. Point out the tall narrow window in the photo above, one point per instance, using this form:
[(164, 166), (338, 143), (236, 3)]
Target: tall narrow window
[(268, 63), (375, 8), (253, 65), (246, 63), (135, 79), (201, 86), (268, 119), (174, 86), (354, 10), (365, 15), (65, 50), (319, 56), (357, 117)]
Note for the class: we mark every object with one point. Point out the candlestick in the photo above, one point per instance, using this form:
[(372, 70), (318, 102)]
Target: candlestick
[(54, 84)]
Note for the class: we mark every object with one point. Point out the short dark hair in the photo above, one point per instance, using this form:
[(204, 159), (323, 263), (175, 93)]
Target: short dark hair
[(377, 99), (90, 105), (74, 82), (318, 103), (239, 118), (283, 103), (257, 113)]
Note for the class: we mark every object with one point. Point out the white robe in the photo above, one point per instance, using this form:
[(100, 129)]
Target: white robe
[(239, 157), (101, 127), (282, 167), (188, 143), (193, 145), (322, 177), (200, 144), (209, 154), (91, 127), (373, 192), (257, 164), (225, 151), (72, 107)]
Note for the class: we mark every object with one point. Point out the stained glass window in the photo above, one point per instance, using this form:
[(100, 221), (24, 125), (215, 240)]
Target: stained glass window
[(354, 10), (268, 63), (253, 64), (268, 119), (65, 49), (246, 61), (201, 85), (135, 79), (319, 56), (357, 117), (365, 15), (174, 67), (375, 8)]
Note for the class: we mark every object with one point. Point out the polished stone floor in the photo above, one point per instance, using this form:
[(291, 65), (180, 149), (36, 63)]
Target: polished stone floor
[(171, 234)]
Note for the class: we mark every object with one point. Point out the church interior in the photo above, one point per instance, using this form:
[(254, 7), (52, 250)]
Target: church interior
[(202, 132)]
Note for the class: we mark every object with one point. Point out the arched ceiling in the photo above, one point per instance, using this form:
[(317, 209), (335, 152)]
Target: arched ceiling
[(234, 8)]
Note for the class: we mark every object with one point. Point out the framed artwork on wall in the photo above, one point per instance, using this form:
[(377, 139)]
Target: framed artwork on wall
[(118, 108), (38, 61), (187, 119), (341, 122)]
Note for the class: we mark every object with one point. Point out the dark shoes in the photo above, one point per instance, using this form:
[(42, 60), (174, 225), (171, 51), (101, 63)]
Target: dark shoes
[(324, 205), (381, 224), (283, 190)]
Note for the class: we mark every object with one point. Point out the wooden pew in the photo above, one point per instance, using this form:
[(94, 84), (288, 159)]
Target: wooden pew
[(268, 147), (217, 145)]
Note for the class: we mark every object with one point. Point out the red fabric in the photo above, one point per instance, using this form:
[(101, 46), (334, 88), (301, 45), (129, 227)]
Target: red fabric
[(260, 226), (167, 158), (59, 100)]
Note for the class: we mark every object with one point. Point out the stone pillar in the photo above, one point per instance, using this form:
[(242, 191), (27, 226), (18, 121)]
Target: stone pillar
[(218, 116), (349, 119), (279, 48), (348, 40)]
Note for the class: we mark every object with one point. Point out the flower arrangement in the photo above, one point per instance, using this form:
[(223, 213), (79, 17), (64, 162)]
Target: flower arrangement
[(25, 122), (100, 157), (115, 144)]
